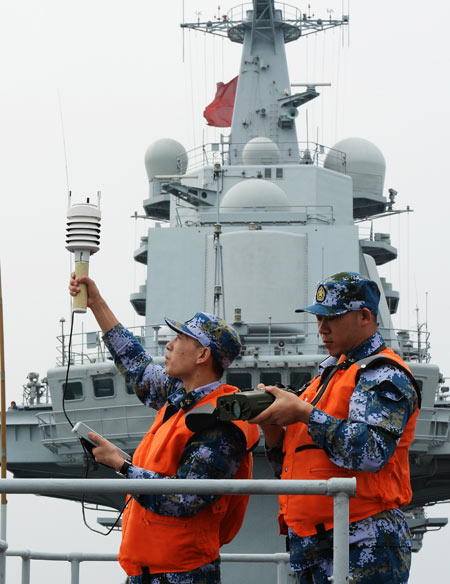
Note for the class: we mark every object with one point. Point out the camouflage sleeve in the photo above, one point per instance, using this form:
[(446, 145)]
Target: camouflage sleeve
[(149, 381), (379, 409), (215, 453)]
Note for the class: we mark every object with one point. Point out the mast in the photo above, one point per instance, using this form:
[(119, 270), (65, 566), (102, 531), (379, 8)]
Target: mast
[(4, 501), (264, 105)]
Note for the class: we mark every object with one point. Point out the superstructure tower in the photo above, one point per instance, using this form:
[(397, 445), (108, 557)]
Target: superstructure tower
[(264, 105)]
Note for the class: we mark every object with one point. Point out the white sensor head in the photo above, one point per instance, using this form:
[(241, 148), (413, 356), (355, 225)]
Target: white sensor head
[(83, 229)]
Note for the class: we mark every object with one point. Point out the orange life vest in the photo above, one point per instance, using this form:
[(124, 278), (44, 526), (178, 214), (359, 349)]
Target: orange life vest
[(178, 544), (386, 489)]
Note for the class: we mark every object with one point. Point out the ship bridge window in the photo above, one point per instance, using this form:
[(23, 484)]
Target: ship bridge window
[(130, 388), (270, 377), (239, 379), (267, 173), (279, 173), (299, 378), (73, 390), (103, 386)]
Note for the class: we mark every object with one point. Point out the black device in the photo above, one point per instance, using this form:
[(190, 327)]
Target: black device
[(243, 405), (82, 431), (246, 404)]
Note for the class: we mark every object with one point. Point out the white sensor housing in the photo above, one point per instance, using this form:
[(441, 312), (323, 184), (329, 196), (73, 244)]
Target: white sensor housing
[(83, 239)]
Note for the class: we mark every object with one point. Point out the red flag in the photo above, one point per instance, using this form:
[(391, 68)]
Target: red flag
[(219, 112)]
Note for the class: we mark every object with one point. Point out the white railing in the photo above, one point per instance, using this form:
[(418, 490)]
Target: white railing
[(340, 489), (414, 344), (75, 559)]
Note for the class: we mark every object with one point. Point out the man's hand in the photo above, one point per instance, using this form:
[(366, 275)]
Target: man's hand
[(103, 314), (286, 409), (106, 452), (93, 294)]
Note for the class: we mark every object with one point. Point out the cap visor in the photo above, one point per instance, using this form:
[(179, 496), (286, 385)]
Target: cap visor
[(174, 325), (320, 310), (179, 327)]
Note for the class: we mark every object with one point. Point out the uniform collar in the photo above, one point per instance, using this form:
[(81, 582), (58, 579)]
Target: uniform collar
[(366, 348), (186, 400)]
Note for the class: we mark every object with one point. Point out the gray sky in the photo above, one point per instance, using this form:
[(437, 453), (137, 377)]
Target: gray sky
[(115, 69)]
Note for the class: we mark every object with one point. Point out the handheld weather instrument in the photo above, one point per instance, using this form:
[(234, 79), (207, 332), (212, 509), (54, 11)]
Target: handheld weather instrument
[(82, 239)]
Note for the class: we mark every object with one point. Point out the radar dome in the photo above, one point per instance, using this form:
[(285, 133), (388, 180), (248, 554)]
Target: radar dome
[(165, 157), (261, 151), (364, 162), (255, 192)]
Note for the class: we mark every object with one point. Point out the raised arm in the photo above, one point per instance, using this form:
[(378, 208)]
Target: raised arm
[(149, 380)]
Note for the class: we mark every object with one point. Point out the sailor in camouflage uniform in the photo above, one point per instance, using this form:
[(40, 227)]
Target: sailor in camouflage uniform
[(194, 363), (349, 421)]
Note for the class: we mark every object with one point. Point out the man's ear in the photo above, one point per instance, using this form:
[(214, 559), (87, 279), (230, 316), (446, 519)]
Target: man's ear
[(204, 355), (366, 316)]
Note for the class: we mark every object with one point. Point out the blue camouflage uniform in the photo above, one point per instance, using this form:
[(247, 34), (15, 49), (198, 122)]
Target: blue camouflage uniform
[(215, 453), (382, 402), (365, 441)]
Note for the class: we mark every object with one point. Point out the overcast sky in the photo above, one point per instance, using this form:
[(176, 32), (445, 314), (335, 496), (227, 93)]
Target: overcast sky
[(111, 74)]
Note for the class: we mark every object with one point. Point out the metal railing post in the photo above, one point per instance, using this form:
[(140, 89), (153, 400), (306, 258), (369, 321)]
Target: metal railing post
[(282, 569), (3, 548), (26, 567), (74, 571), (341, 489), (341, 557)]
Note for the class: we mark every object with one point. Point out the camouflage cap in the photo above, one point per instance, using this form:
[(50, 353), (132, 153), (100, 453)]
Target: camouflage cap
[(212, 332), (343, 292)]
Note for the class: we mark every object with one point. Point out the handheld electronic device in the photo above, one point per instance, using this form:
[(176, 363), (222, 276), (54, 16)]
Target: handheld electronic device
[(82, 431)]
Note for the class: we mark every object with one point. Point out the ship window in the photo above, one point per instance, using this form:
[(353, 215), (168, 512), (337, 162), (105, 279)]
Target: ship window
[(299, 378), (279, 173), (267, 173), (270, 377), (103, 387), (73, 391), (129, 387), (240, 379)]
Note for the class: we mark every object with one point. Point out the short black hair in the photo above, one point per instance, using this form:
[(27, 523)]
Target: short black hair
[(217, 368)]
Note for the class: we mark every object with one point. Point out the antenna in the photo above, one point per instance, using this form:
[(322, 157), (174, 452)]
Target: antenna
[(182, 11), (82, 239), (63, 140)]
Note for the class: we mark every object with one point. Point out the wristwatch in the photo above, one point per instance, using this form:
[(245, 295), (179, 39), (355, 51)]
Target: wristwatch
[(124, 469)]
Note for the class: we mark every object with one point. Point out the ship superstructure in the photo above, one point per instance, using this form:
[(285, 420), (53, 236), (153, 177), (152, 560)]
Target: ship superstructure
[(245, 227)]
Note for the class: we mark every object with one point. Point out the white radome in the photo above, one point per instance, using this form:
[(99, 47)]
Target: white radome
[(261, 150), (255, 192), (165, 157), (364, 162)]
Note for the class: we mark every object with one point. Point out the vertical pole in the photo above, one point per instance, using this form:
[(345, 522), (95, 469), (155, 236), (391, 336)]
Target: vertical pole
[(341, 556), (62, 320), (282, 572), (26, 569), (3, 434), (3, 548), (75, 571)]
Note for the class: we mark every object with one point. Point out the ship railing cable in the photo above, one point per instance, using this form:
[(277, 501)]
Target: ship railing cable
[(302, 339), (309, 153)]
